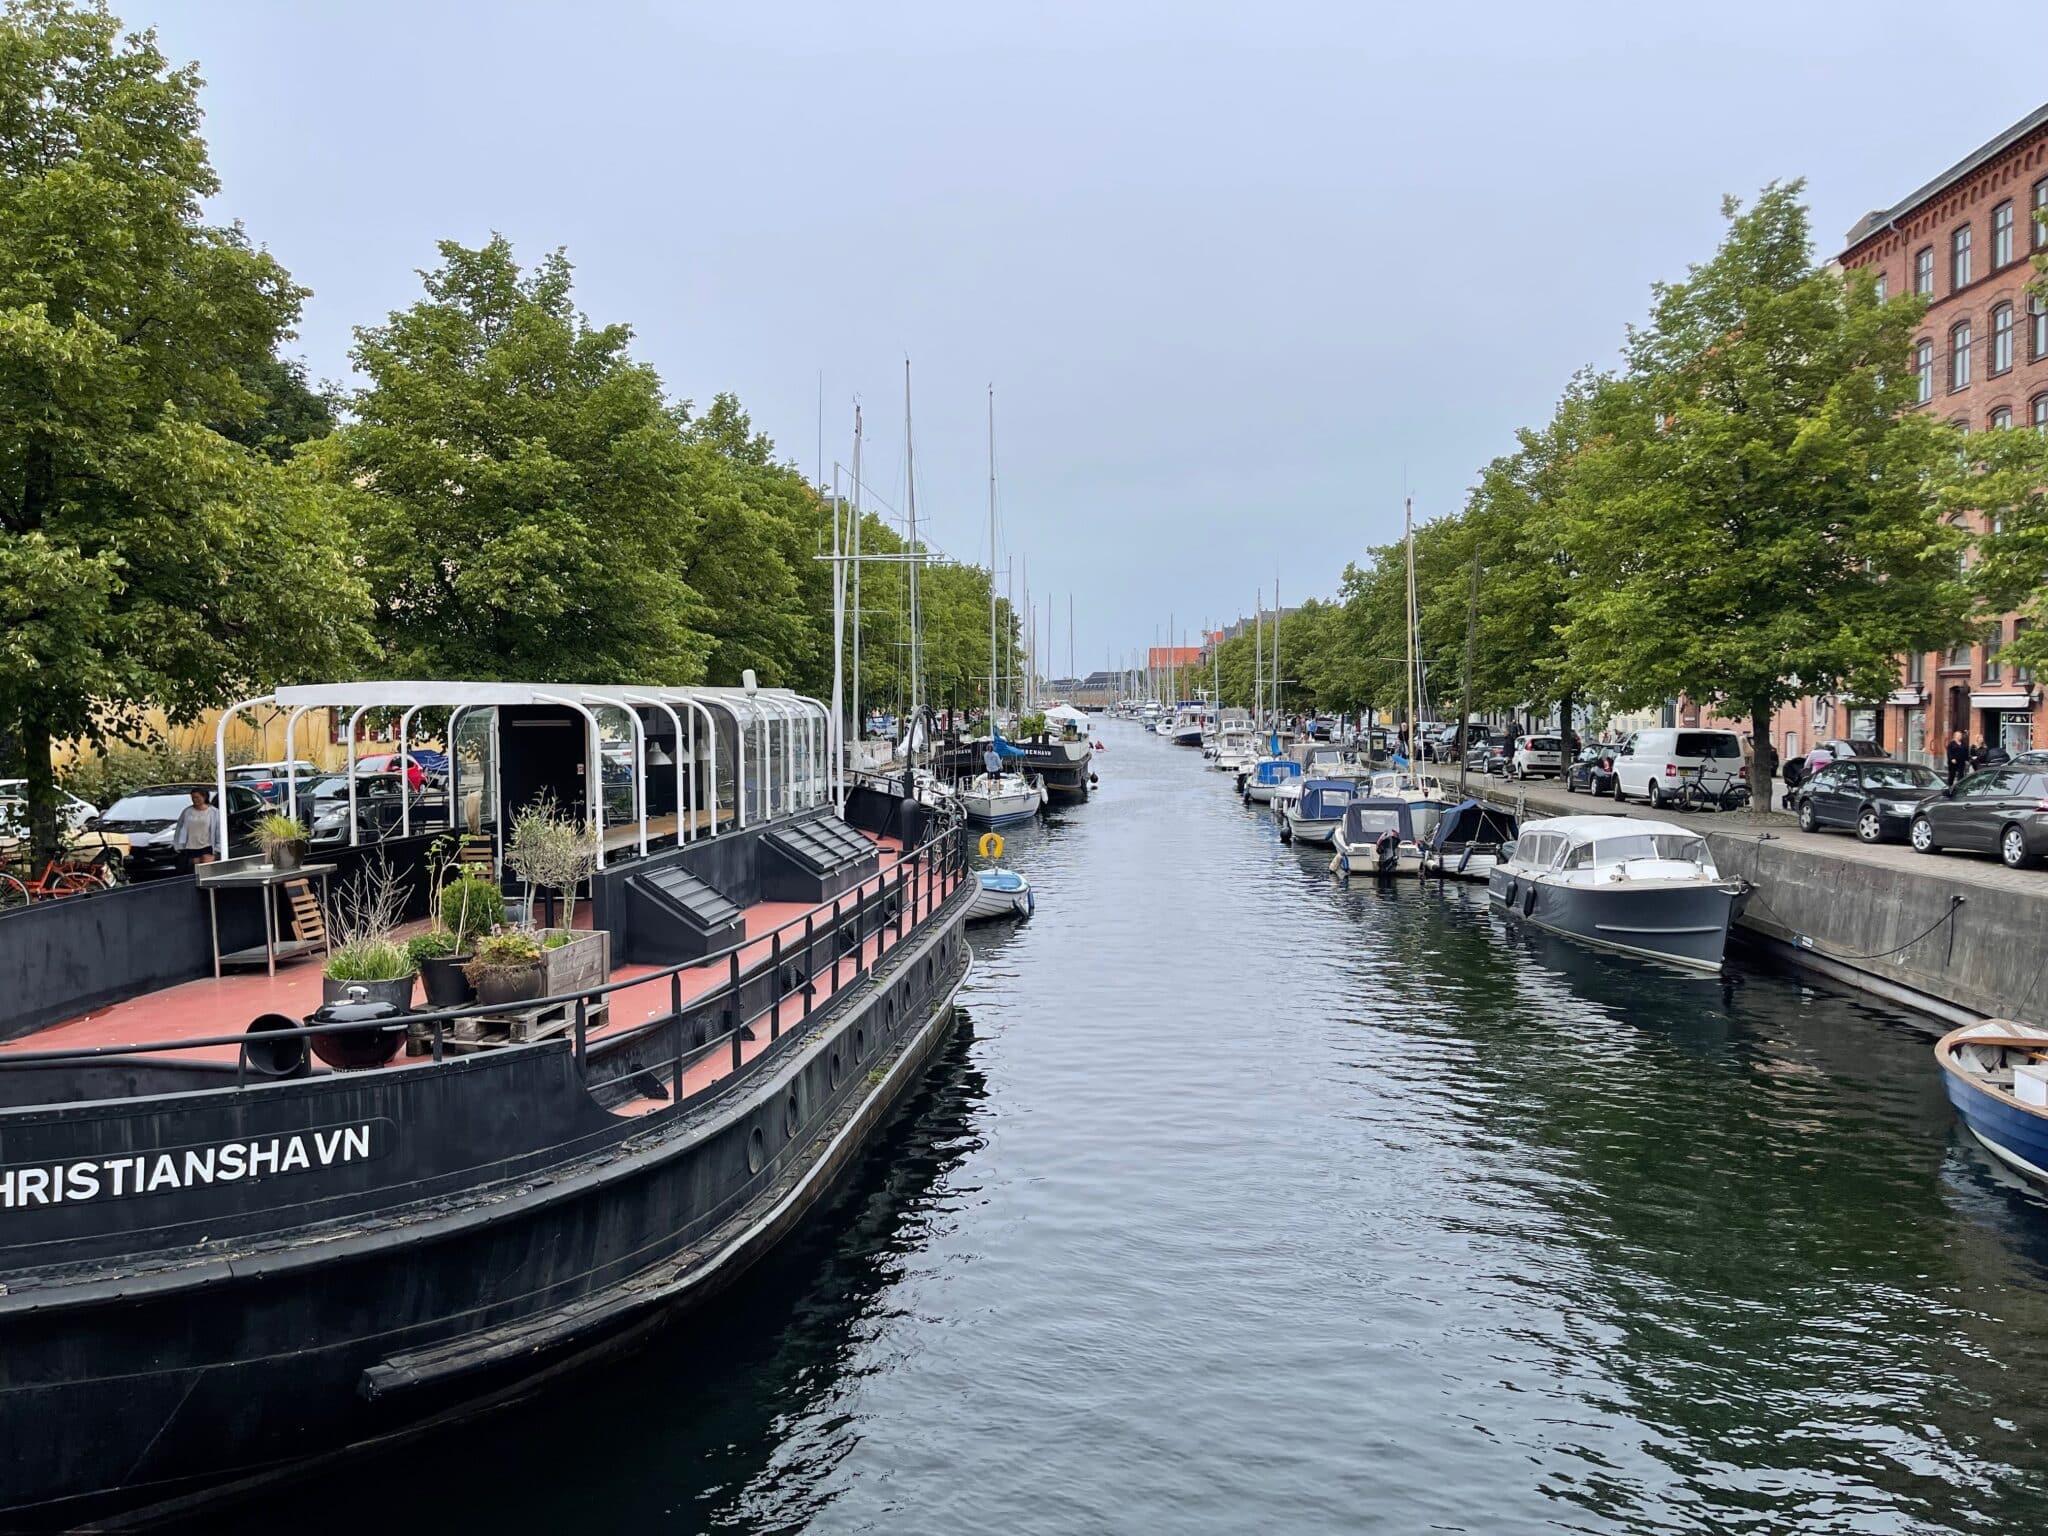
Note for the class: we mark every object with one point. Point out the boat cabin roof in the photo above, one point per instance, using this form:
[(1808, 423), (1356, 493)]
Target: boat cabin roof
[(1593, 829)]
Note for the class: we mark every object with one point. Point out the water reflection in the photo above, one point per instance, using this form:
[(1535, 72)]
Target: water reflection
[(725, 1420)]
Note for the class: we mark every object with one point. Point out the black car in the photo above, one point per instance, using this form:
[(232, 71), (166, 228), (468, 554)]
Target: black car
[(2001, 810), (1874, 796), (148, 819), (1592, 770)]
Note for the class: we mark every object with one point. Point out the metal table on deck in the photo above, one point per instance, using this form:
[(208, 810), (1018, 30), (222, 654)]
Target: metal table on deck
[(252, 874)]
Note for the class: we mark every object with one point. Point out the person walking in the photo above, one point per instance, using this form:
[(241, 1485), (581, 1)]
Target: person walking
[(197, 833), (1958, 757)]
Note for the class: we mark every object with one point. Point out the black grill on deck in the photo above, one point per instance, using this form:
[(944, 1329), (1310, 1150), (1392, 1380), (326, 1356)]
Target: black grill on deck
[(676, 916), (815, 860)]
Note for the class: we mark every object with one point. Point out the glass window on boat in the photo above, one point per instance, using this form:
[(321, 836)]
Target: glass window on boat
[(616, 761), (1578, 856), (1371, 822), (1685, 847), (1424, 817)]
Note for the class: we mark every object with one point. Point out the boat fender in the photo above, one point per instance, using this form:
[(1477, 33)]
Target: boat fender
[(1513, 891), (991, 845), (1529, 899)]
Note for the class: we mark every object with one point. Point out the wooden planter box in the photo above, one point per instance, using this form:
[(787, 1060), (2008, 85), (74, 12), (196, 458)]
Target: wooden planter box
[(584, 962)]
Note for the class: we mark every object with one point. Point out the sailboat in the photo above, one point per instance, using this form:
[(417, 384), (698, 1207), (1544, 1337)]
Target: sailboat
[(995, 798), (1408, 782)]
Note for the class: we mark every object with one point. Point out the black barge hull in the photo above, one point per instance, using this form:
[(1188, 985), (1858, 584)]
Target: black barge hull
[(456, 1232)]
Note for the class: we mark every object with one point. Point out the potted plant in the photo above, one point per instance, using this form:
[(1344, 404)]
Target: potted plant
[(361, 921), (507, 967), (550, 850), (381, 967), (283, 841), (464, 908)]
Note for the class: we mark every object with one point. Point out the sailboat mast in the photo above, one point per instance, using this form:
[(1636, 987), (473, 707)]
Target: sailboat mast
[(859, 718), (835, 734), (1276, 653), (910, 502), (1408, 537), (991, 562), (1259, 662)]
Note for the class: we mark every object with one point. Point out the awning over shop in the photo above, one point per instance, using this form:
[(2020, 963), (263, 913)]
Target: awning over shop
[(2002, 698)]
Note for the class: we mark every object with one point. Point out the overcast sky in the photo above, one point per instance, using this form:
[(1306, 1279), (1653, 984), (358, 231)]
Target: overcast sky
[(1242, 274)]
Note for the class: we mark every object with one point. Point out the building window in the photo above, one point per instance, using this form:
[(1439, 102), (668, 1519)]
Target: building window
[(1923, 371), (1916, 667), (1957, 659), (2001, 418), (2001, 236), (2037, 326), (1992, 671), (2040, 207), (2040, 413), (1959, 259), (1880, 288), (2022, 674), (1923, 269), (2001, 339), (1959, 356)]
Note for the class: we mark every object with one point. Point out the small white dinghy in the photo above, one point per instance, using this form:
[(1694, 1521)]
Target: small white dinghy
[(999, 893)]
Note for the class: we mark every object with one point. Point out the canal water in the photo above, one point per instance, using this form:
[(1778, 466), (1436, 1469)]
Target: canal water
[(1242, 1201)]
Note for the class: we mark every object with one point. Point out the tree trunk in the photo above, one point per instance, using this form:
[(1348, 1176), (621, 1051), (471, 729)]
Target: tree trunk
[(44, 842), (1760, 736)]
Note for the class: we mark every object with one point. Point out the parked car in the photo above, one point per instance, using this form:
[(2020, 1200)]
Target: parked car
[(1873, 795), (149, 817), (380, 802), (1650, 762), (1532, 755), (269, 779), (2002, 810), (1489, 756), (433, 766), (76, 814), (1593, 769)]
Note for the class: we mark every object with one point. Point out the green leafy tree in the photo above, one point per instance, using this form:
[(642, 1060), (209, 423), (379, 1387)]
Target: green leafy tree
[(525, 495), (147, 559), (1753, 515)]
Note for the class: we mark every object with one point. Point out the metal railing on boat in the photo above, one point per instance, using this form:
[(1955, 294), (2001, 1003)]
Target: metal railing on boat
[(924, 878)]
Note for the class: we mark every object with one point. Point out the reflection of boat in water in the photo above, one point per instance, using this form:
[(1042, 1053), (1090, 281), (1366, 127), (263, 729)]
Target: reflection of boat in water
[(1996, 1074), (1643, 887)]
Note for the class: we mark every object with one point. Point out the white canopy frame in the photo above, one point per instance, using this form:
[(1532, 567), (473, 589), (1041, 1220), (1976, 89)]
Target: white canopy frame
[(808, 775)]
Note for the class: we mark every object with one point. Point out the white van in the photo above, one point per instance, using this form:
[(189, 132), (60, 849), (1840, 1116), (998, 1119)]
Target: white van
[(1650, 762)]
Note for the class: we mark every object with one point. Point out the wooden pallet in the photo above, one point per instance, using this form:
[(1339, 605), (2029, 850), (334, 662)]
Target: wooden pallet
[(521, 1026), (308, 926)]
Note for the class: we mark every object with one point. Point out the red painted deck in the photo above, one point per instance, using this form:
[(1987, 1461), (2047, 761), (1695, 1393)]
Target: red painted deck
[(198, 1009)]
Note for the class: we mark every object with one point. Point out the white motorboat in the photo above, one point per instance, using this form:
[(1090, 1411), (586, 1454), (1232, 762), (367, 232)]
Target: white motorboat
[(1000, 799), (1312, 809), (1621, 882), (1384, 835), (1000, 893)]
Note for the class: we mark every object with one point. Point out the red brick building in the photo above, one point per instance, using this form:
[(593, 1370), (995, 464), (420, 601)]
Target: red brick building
[(1963, 241)]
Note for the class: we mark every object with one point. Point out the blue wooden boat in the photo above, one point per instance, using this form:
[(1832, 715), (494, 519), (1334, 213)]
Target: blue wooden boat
[(1996, 1074)]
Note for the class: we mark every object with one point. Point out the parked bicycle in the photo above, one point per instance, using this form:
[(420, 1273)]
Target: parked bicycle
[(1698, 790)]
